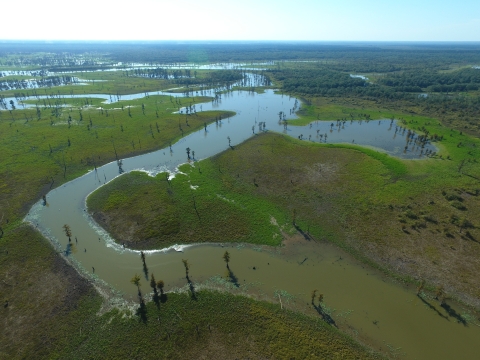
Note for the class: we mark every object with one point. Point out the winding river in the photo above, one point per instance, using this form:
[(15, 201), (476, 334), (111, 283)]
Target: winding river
[(363, 303)]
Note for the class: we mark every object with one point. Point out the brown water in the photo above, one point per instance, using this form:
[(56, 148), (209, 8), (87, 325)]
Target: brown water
[(361, 302), (383, 314)]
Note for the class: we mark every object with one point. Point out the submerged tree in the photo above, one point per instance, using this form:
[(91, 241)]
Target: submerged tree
[(187, 266), (226, 258), (420, 287), (314, 294), (136, 281), (320, 298), (160, 286), (68, 231), (440, 294), (153, 283)]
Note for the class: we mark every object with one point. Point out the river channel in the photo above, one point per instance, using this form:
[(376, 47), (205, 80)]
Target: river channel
[(386, 315)]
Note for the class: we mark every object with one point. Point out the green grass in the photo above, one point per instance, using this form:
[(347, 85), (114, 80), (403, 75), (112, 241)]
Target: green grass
[(323, 109), (114, 82), (216, 325), (52, 312), (146, 212), (18, 77), (455, 146), (68, 103), (248, 186), (396, 167), (17, 68), (181, 90)]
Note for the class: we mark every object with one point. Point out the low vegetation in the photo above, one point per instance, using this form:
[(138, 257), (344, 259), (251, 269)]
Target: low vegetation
[(416, 220), (402, 215), (42, 294), (63, 143), (47, 308)]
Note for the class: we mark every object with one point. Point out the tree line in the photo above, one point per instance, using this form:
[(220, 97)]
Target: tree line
[(357, 57), (433, 81)]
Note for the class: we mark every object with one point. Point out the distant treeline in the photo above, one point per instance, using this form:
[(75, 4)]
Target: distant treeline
[(351, 57), (325, 81), (430, 81), (316, 81), (402, 89)]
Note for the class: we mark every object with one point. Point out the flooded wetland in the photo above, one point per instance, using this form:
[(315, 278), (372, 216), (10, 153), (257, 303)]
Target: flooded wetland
[(358, 300), (234, 201)]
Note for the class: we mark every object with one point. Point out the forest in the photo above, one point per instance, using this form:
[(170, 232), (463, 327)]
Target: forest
[(320, 81)]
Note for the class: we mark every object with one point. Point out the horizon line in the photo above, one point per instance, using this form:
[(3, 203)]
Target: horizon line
[(239, 40)]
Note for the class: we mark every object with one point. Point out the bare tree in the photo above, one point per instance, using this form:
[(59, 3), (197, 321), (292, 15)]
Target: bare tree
[(68, 232), (226, 258)]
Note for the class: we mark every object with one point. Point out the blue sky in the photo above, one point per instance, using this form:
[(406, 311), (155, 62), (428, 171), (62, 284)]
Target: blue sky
[(334, 20)]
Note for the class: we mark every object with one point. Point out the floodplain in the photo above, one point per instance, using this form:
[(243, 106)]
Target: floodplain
[(370, 204)]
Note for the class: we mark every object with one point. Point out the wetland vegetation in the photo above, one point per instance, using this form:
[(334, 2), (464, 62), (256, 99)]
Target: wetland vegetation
[(415, 221)]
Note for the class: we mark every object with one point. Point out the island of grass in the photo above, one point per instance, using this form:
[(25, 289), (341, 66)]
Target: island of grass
[(131, 81), (414, 217)]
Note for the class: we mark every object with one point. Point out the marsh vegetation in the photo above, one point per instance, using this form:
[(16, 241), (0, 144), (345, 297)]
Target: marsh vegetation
[(414, 221)]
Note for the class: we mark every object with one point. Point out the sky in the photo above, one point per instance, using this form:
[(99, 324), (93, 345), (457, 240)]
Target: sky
[(308, 20)]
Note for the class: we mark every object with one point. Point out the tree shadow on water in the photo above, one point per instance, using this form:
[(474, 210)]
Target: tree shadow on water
[(326, 317), (192, 288), (303, 261), (68, 250), (452, 313), (145, 270), (432, 307), (233, 279)]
